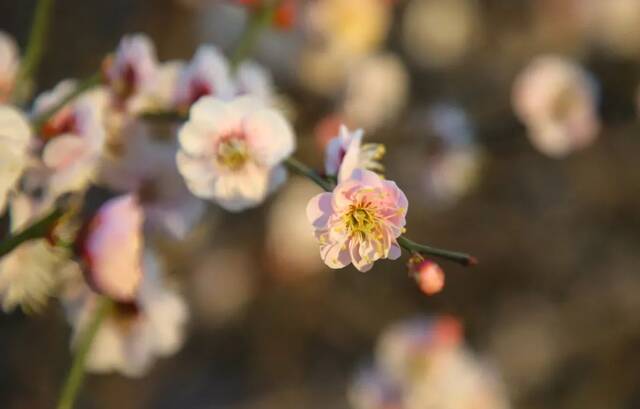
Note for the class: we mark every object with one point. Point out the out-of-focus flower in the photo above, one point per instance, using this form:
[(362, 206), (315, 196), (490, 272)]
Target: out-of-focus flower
[(75, 136), (253, 79), (557, 100), (354, 27), (428, 274), (377, 90), (207, 74), (346, 153), (146, 165), (439, 33), (135, 333), (133, 70), (454, 161), (423, 363), (15, 138), (341, 33), (31, 273), (111, 247), (9, 64), (232, 152), (359, 221), (287, 222)]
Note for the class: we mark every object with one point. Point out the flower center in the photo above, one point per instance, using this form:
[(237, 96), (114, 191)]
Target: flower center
[(360, 220), (232, 153)]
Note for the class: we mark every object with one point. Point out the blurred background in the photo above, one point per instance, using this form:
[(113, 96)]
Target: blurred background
[(553, 305)]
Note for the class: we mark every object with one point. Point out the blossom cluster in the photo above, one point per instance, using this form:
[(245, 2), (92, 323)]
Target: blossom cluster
[(96, 154)]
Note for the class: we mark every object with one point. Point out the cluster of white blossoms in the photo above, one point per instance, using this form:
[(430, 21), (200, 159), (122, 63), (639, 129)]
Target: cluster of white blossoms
[(69, 151), (423, 363)]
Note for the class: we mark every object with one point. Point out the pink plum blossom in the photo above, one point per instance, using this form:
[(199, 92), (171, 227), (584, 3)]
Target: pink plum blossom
[(207, 74), (111, 248), (9, 64), (557, 101), (253, 79), (133, 70), (75, 136), (360, 221), (345, 153), (232, 152)]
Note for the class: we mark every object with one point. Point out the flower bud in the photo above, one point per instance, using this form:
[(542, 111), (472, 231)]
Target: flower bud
[(428, 274)]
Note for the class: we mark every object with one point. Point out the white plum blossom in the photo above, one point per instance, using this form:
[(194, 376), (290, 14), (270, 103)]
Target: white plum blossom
[(15, 141), (31, 273), (134, 333), (253, 79), (557, 101), (9, 65), (346, 152), (132, 72), (147, 166), (207, 74), (75, 136), (111, 246), (232, 152)]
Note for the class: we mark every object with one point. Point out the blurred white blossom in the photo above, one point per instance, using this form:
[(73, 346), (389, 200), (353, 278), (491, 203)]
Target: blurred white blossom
[(376, 92), (75, 136), (15, 141), (135, 333), (557, 100), (207, 74), (32, 272)]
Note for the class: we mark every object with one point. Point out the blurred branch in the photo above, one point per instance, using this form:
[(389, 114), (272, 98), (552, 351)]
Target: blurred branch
[(35, 48), (39, 229), (80, 88), (258, 21), (464, 259), (76, 375)]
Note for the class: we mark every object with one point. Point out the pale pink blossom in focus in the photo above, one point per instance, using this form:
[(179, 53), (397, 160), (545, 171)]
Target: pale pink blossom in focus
[(133, 70), (359, 221), (208, 73), (557, 101), (111, 248), (75, 136), (345, 153), (9, 65), (232, 152), (136, 332)]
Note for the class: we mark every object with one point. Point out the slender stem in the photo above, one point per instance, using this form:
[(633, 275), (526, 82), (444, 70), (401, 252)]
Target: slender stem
[(300, 168), (39, 229), (80, 88), (259, 20), (35, 47), (76, 374), (460, 258), (466, 260)]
